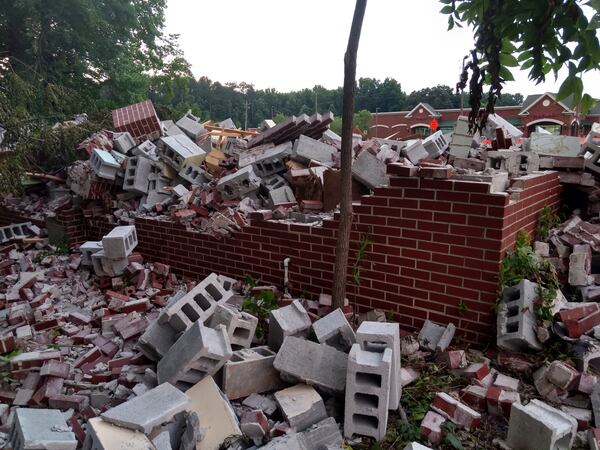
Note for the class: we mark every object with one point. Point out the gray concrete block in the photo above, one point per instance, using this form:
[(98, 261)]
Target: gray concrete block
[(179, 149), (314, 364), (369, 170), (137, 174), (198, 353), (194, 173), (238, 184), (240, 326), (257, 401), (120, 242), (292, 441), (273, 182), (538, 426), (376, 336), (281, 196), (550, 144), (156, 340), (14, 231), (124, 142), (307, 149), (595, 399), (516, 321), (87, 250), (301, 405), (104, 266), (273, 160), (414, 151), (368, 387), (41, 429), (190, 125), (435, 144), (197, 305), (504, 161), (335, 331), (322, 434), (291, 320), (434, 337), (250, 371), (149, 410), (104, 164)]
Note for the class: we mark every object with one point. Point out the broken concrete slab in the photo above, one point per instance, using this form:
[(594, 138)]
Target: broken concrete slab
[(102, 435), (369, 170), (41, 429), (335, 331), (434, 337), (301, 405), (291, 320), (145, 412)]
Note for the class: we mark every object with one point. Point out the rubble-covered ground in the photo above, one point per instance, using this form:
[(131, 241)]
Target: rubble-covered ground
[(103, 350)]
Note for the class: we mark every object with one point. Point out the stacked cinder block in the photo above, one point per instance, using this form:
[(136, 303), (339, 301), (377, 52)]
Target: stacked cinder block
[(367, 392), (104, 164), (376, 337), (199, 352), (88, 249), (117, 245), (516, 318)]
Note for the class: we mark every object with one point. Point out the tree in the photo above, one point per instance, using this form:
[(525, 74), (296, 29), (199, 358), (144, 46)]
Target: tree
[(361, 120), (343, 235), (439, 97), (542, 37), (84, 54)]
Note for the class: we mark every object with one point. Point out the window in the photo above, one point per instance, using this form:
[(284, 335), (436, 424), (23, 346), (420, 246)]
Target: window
[(422, 131)]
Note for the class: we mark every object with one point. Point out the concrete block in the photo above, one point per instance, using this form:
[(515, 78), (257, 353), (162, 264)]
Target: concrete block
[(257, 401), (120, 242), (156, 341), (198, 353), (197, 305), (238, 184), (377, 336), (273, 182), (494, 122), (179, 149), (14, 231), (580, 262), (335, 331), (104, 266), (137, 173), (415, 151), (104, 164), (148, 410), (87, 250), (190, 125), (124, 142), (273, 160), (301, 405), (291, 320), (314, 364), (434, 337), (293, 441), (40, 429), (217, 418), (538, 426), (562, 375), (102, 435), (281, 196), (322, 435), (498, 180), (146, 149), (504, 161), (240, 326), (370, 170), (435, 144), (250, 371), (162, 441), (368, 386), (307, 149), (516, 321), (595, 399), (194, 173), (551, 144)]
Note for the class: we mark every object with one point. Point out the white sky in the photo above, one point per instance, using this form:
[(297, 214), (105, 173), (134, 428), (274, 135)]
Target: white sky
[(290, 45)]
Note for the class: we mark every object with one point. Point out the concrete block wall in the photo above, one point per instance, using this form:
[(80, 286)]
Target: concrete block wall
[(436, 243)]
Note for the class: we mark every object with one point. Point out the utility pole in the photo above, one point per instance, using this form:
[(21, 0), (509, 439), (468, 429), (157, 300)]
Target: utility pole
[(246, 113), (316, 101), (377, 122)]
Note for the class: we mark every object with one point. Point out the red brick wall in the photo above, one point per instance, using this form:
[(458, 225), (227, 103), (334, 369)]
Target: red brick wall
[(8, 217), (139, 119), (436, 244)]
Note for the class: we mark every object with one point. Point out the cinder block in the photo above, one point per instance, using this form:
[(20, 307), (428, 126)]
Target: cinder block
[(198, 353), (87, 250), (158, 338), (370, 170), (335, 331), (273, 182), (504, 161), (301, 405), (179, 149), (414, 151), (307, 149), (104, 164), (377, 336), (190, 125), (239, 183), (148, 410), (580, 262), (516, 321), (102, 435), (240, 326), (137, 174), (315, 364), (40, 429), (281, 196), (434, 337), (322, 435), (435, 144), (368, 386), (538, 426), (273, 160), (291, 320), (120, 242), (194, 173), (250, 371), (124, 142), (104, 266), (14, 231), (197, 305)]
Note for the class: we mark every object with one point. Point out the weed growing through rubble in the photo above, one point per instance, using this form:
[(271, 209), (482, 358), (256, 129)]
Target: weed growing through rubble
[(548, 219), (363, 244), (522, 263), (258, 305)]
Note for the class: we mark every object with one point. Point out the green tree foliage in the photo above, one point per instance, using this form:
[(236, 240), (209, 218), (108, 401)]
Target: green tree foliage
[(439, 96), (541, 37), (79, 55)]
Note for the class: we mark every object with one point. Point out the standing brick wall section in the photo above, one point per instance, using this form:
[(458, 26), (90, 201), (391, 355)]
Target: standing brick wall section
[(139, 119), (436, 248)]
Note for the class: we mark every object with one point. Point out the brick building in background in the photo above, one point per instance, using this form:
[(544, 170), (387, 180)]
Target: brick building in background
[(541, 110)]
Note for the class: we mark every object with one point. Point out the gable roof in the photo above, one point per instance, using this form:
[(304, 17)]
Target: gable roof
[(532, 100), (427, 106)]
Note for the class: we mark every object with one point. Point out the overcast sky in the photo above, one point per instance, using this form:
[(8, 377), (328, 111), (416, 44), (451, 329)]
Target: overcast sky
[(290, 45)]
